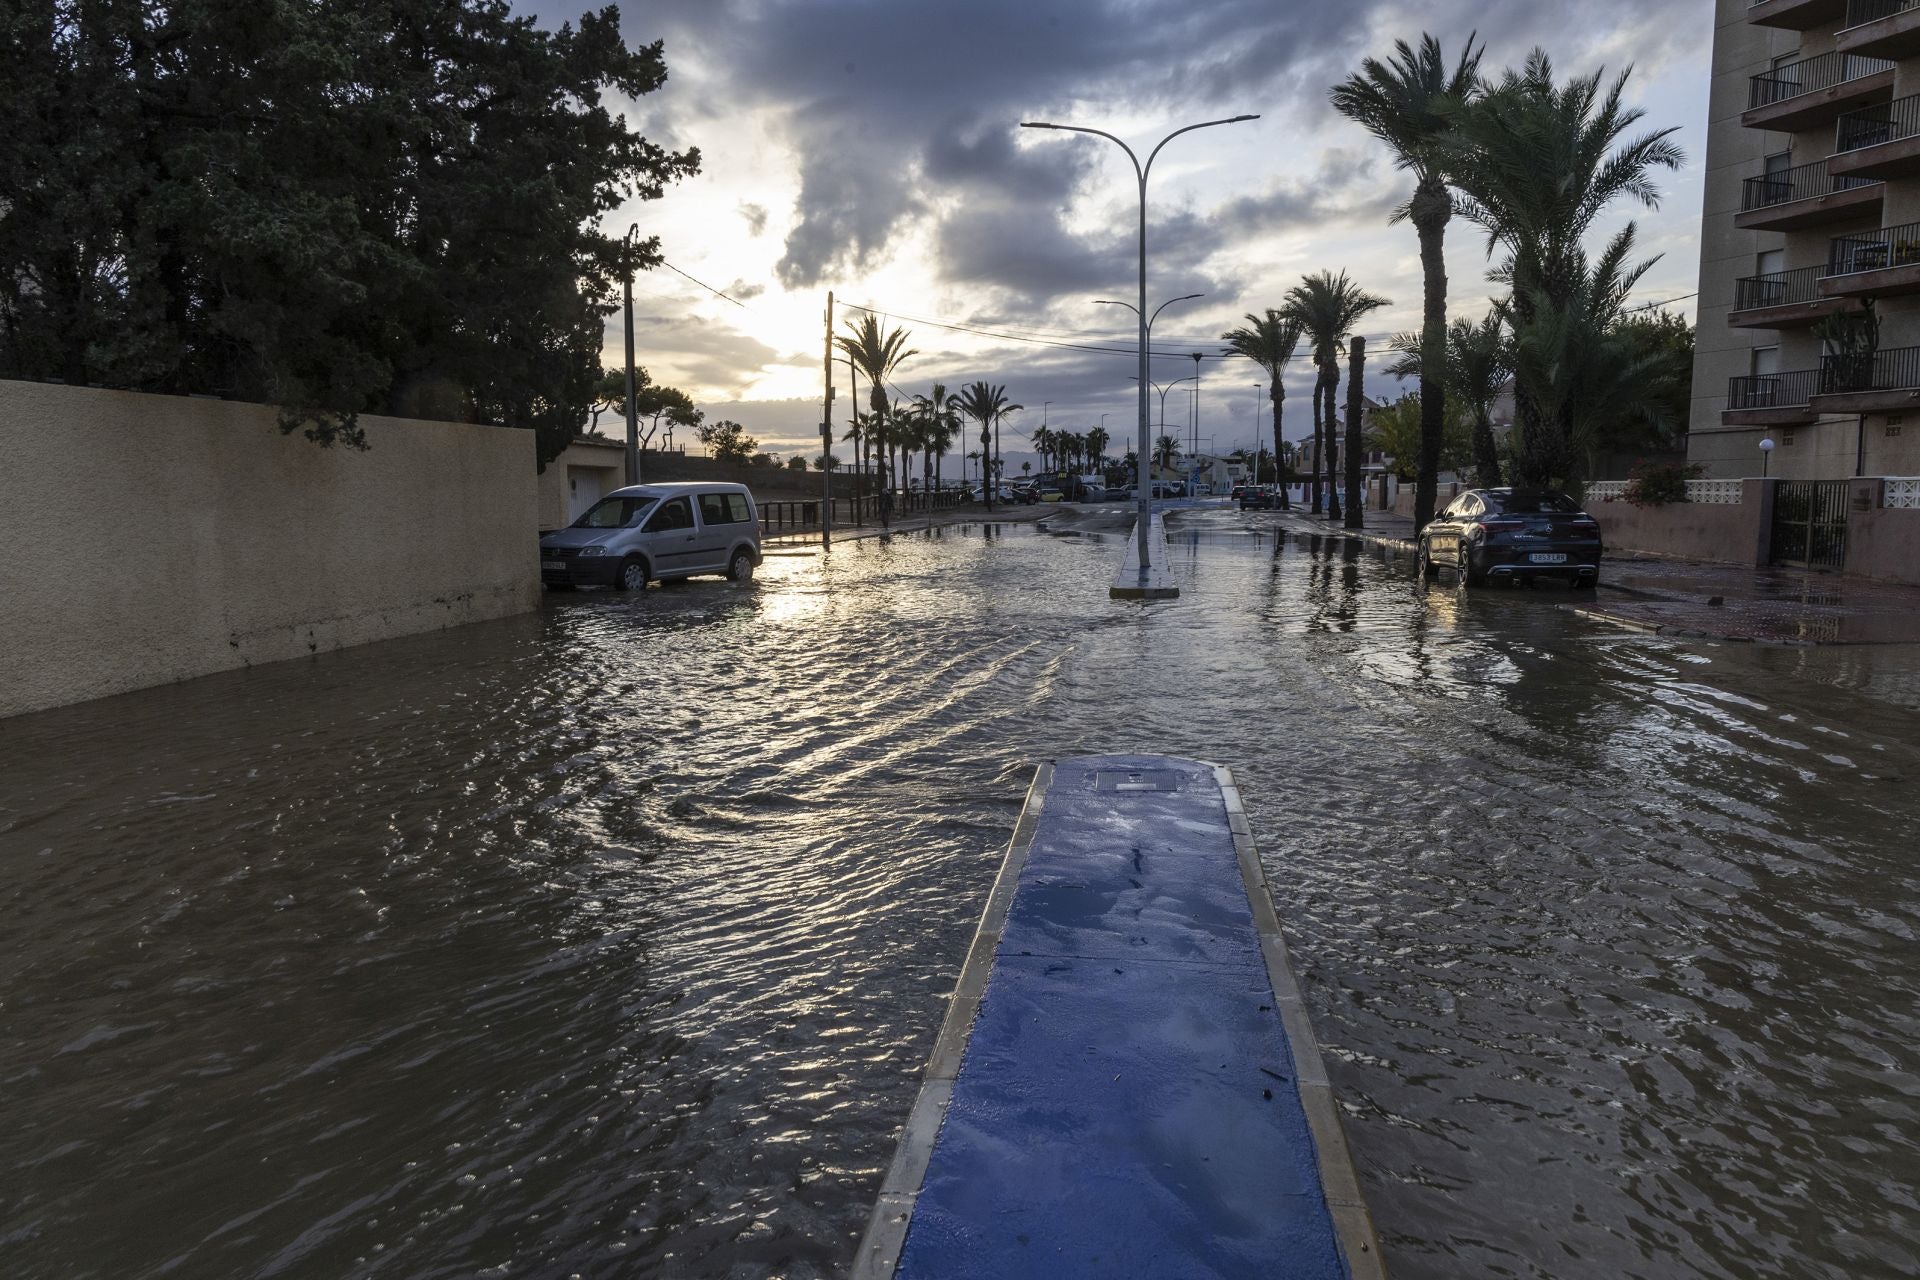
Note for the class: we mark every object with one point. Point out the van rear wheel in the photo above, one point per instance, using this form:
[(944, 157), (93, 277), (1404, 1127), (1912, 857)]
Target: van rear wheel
[(740, 568), (633, 574)]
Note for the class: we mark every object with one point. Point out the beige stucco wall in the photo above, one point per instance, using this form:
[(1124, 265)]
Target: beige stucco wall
[(146, 539), (1733, 532)]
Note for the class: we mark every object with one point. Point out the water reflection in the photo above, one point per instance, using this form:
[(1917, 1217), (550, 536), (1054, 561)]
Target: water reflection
[(611, 941)]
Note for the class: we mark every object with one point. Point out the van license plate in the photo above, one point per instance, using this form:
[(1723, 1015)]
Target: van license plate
[(553, 566), (1548, 557)]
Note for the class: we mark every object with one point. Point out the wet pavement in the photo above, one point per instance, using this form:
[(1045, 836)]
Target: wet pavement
[(1705, 600), (611, 940)]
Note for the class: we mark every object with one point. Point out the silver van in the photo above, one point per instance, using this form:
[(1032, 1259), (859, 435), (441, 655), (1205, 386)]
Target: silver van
[(655, 531)]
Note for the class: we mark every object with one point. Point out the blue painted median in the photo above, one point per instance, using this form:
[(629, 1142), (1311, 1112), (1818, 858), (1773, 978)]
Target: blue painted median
[(1126, 1084)]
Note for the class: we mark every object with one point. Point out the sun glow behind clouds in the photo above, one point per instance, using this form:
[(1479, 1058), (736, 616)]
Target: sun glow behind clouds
[(923, 195)]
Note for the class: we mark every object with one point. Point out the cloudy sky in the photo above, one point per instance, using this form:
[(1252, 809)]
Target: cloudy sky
[(872, 148)]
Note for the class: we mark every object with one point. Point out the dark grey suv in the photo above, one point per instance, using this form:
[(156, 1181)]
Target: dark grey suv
[(1489, 534)]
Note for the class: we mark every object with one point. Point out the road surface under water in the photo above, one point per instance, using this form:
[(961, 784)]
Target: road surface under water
[(611, 940)]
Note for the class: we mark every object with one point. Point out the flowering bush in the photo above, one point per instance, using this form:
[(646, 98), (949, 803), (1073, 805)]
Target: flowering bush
[(1653, 484)]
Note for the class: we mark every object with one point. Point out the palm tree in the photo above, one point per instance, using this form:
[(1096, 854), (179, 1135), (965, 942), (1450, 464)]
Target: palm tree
[(1580, 369), (1327, 307), (1164, 449), (986, 405), (1410, 103), (939, 423), (875, 354), (1269, 341), (1097, 442), (1536, 164), (1478, 364)]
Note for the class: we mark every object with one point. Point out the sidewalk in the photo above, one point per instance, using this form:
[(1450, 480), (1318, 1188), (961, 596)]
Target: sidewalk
[(1707, 600), (798, 541)]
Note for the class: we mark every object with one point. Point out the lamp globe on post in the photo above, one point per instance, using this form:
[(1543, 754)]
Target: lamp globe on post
[(1766, 454)]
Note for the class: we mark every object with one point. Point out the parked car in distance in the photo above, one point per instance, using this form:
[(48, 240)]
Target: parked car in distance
[(655, 531), (1489, 534), (1237, 491), (1048, 493)]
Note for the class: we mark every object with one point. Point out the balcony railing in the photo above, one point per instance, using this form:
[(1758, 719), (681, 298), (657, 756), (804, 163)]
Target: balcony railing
[(1802, 182), (1773, 390), (1896, 369), (1790, 80), (1861, 11), (1871, 126), (1780, 289), (1874, 250)]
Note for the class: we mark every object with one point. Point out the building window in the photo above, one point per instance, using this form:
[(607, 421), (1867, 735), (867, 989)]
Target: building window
[(1893, 431), (1765, 361), (1786, 439)]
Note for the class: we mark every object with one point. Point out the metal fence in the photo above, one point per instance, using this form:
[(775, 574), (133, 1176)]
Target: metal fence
[(1896, 369), (1778, 289), (1791, 79), (1810, 523), (1802, 182), (1773, 390), (1871, 126), (1874, 250), (1859, 11)]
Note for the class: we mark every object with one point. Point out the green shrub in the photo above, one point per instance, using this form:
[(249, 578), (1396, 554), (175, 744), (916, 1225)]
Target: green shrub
[(1654, 484)]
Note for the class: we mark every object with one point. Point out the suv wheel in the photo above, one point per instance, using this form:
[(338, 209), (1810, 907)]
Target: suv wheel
[(740, 568), (1427, 567), (634, 574)]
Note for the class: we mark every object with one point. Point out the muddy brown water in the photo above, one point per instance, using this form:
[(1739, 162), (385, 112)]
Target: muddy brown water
[(610, 940)]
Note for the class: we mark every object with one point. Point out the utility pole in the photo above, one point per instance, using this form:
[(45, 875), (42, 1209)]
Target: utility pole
[(633, 404), (1356, 372), (1195, 452), (826, 440)]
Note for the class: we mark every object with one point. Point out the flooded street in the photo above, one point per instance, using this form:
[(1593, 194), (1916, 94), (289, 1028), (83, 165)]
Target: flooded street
[(611, 940)]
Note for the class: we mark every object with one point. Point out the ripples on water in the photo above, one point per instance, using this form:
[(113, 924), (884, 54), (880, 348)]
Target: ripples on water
[(612, 940)]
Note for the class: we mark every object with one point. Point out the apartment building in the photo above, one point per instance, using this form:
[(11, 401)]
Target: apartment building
[(1812, 208)]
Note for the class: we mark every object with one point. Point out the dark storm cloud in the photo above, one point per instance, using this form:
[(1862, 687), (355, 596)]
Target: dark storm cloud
[(897, 112)]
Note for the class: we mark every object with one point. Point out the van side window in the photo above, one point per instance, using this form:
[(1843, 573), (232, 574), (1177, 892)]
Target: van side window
[(737, 503), (672, 514), (713, 509)]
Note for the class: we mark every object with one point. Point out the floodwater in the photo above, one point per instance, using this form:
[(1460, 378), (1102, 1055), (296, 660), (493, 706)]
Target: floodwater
[(611, 940)]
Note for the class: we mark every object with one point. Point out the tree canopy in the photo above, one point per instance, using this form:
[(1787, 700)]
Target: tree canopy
[(388, 207)]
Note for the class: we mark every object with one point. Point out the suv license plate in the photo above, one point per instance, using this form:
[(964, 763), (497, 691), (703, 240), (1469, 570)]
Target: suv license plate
[(1548, 557), (552, 566)]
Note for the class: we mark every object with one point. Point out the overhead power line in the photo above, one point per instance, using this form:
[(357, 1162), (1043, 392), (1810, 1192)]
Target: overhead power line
[(704, 285)]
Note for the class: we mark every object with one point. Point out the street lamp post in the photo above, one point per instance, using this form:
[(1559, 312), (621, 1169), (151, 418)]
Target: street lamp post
[(1140, 171), (1257, 387), (633, 403), (1766, 454)]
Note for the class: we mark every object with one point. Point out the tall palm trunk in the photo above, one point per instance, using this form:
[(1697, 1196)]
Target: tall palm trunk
[(1333, 440), (1486, 455), (1319, 443), (1279, 467), (1430, 209), (1356, 373)]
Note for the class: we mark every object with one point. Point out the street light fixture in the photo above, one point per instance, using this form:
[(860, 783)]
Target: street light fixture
[(1766, 454), (1140, 312)]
